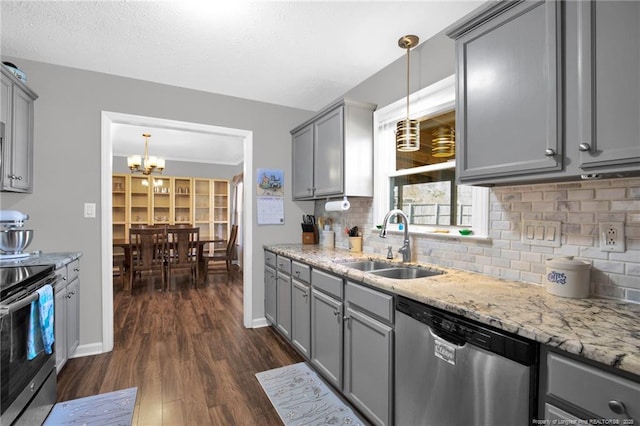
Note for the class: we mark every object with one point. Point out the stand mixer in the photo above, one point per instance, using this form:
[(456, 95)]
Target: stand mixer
[(13, 238)]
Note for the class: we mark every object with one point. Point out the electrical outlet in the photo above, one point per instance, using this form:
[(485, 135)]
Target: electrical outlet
[(612, 237)]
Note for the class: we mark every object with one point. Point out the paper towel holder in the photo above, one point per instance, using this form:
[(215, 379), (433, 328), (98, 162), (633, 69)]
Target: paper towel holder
[(337, 205)]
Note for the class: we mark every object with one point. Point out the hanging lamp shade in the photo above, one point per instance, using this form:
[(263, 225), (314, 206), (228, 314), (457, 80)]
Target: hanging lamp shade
[(408, 130)]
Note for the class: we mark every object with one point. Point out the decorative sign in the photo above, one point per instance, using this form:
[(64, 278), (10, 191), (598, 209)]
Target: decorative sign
[(270, 196)]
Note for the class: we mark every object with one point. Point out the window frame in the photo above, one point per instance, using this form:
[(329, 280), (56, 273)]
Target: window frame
[(429, 101)]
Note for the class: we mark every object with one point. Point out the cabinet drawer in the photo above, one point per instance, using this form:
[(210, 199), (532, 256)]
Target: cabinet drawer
[(591, 388), (373, 302), (270, 259), (73, 270), (328, 283), (284, 264), (300, 271)]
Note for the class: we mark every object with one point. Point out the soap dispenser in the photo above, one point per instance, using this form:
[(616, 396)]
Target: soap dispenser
[(389, 253)]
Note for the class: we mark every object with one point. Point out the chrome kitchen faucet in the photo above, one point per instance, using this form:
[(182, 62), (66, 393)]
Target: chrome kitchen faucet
[(406, 248)]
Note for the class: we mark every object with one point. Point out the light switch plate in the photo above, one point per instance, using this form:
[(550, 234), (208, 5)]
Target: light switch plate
[(90, 210), (541, 232)]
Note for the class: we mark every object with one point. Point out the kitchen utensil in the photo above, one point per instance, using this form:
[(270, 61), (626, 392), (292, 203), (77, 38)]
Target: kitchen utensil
[(14, 241)]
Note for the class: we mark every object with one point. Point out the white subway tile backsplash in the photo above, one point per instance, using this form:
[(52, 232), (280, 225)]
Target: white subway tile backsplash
[(580, 207)]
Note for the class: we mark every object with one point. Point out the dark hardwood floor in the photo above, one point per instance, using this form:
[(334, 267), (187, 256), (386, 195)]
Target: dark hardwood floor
[(189, 355)]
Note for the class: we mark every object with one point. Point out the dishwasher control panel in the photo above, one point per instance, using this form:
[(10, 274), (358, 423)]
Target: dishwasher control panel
[(460, 331)]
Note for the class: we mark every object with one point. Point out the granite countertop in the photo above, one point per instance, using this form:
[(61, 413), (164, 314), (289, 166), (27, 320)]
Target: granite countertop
[(603, 330), (59, 259)]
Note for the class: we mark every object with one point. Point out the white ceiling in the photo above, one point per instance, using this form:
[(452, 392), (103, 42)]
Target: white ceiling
[(302, 54)]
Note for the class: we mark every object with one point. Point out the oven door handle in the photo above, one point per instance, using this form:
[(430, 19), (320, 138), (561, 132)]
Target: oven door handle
[(9, 309)]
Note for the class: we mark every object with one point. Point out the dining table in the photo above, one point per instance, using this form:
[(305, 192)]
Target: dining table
[(202, 260)]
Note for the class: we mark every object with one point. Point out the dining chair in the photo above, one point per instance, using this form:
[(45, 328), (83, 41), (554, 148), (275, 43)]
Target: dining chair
[(183, 251), (227, 255), (148, 252)]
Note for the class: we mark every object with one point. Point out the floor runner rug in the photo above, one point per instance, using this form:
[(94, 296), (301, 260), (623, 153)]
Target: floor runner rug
[(105, 409), (301, 398)]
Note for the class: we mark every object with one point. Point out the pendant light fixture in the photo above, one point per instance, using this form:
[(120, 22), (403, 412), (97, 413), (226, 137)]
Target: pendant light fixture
[(407, 130), (146, 165)]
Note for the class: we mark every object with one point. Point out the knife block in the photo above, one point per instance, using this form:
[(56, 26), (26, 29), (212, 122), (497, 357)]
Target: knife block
[(311, 237)]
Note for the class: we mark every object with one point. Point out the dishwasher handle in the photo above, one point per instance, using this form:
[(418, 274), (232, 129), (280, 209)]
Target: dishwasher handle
[(452, 339)]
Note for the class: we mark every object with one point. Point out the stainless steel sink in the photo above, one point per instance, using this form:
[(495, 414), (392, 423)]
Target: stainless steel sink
[(406, 273), (368, 265)]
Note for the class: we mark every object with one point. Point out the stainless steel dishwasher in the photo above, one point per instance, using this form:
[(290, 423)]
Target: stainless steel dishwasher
[(454, 371)]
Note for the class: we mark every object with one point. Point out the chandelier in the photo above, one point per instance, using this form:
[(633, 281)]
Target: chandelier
[(146, 165), (407, 130)]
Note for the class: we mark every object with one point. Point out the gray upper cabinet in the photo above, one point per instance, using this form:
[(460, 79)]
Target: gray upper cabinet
[(333, 152), (609, 84), (16, 112), (548, 91), (302, 147), (508, 97)]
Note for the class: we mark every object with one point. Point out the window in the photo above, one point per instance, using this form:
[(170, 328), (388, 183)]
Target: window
[(420, 183)]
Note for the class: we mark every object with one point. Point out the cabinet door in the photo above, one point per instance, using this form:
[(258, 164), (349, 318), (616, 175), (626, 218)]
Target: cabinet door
[(301, 317), (609, 83), (6, 96), (326, 336), (270, 292), (60, 325), (302, 148), (368, 366), (73, 316), (20, 165), (328, 172), (509, 99), (283, 311)]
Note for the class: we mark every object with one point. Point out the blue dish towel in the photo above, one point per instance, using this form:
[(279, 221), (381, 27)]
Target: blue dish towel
[(41, 320)]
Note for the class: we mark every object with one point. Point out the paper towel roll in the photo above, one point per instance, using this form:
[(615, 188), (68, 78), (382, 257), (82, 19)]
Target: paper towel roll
[(337, 206)]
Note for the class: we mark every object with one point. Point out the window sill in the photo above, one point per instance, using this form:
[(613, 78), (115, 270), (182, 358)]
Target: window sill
[(448, 234)]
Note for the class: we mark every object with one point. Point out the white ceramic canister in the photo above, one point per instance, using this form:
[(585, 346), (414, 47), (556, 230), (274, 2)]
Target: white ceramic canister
[(568, 277)]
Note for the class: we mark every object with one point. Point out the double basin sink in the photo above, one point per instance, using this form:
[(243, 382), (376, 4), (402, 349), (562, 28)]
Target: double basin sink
[(392, 270)]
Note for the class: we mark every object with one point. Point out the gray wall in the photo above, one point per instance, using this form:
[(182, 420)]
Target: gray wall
[(67, 162)]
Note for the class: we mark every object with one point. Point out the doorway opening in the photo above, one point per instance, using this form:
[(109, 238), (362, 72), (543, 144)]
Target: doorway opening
[(110, 121)]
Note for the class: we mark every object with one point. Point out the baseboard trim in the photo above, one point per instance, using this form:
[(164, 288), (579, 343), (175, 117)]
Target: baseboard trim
[(88, 350), (259, 322)]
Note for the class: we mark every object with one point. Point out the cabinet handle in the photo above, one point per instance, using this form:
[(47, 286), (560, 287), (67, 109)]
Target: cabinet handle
[(336, 313), (76, 269), (549, 152), (617, 407), (298, 274), (584, 147), (15, 177)]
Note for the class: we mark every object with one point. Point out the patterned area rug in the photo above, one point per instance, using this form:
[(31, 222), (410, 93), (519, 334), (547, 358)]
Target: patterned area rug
[(105, 409), (301, 398)]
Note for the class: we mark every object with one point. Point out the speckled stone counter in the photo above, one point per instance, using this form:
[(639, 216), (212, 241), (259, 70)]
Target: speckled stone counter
[(603, 330), (58, 259)]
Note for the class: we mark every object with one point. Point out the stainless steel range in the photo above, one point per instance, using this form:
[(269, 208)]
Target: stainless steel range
[(28, 389)]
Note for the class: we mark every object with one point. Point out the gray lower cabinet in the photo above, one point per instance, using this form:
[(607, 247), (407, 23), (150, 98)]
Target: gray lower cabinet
[(301, 317), (368, 352), (67, 312), (301, 307), (326, 336), (572, 389), (283, 297), (270, 294), (16, 112)]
